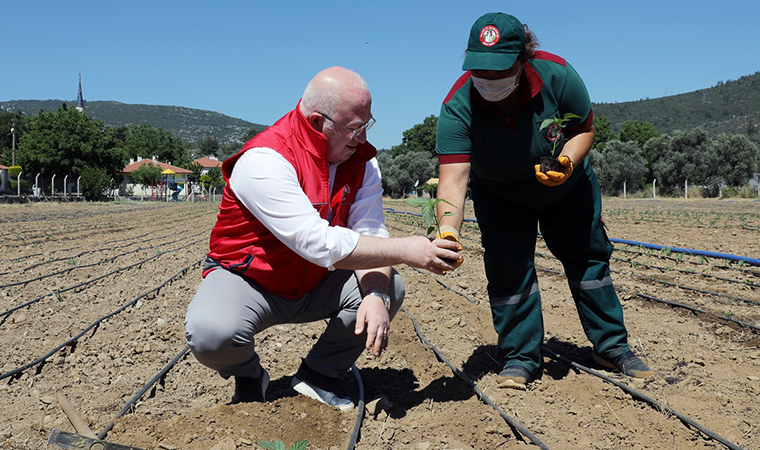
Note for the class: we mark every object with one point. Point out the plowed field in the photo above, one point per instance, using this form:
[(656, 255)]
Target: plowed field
[(93, 296)]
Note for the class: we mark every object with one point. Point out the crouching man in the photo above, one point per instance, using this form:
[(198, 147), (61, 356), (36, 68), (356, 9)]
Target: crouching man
[(299, 238)]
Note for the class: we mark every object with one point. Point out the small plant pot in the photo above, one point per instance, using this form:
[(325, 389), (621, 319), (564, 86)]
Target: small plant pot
[(455, 262), (548, 163)]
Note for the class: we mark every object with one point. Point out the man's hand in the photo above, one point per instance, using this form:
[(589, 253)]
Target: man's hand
[(451, 234), (552, 178), (438, 256), (372, 312)]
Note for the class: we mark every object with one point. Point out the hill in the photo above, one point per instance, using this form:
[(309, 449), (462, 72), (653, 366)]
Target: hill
[(191, 125), (730, 107)]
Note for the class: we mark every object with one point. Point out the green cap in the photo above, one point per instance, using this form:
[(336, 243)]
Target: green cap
[(496, 39)]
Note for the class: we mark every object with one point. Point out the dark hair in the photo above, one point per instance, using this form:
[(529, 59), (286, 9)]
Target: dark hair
[(531, 44)]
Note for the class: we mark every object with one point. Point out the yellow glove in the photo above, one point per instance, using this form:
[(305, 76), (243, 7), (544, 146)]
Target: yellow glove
[(552, 178), (451, 234)]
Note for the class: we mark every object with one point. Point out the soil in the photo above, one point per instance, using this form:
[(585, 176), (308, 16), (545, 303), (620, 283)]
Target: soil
[(118, 277), (550, 164)]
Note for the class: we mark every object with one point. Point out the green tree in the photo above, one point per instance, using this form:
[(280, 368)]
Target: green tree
[(419, 138), (209, 145), (677, 157), (147, 142), (603, 131), (734, 159), (197, 170), (215, 177), (228, 149), (637, 131), (619, 163), (95, 183), (66, 142), (402, 174), (146, 175)]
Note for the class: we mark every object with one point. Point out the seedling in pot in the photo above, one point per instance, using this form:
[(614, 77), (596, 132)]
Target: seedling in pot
[(427, 205), (554, 133)]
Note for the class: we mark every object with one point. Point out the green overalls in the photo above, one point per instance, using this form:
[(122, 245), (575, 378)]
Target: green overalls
[(511, 205)]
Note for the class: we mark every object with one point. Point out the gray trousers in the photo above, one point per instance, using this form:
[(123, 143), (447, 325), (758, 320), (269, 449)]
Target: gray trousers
[(229, 310)]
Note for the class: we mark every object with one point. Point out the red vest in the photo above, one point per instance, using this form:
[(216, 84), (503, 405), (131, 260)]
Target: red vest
[(240, 243)]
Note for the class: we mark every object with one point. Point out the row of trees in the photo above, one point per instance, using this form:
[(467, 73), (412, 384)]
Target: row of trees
[(639, 156), (632, 158), (68, 142)]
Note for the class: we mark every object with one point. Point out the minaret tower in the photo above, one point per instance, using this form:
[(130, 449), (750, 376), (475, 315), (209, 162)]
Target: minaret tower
[(80, 100)]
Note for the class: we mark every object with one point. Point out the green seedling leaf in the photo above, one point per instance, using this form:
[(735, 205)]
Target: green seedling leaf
[(278, 445), (300, 445), (427, 206)]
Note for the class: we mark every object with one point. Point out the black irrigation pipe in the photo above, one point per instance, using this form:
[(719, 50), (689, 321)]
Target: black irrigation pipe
[(97, 322), (633, 392), (669, 303), (685, 272), (107, 260), (31, 255), (148, 385), (640, 396), (688, 251), (689, 288), (360, 413), (97, 250), (754, 328), (90, 281), (668, 283), (516, 426), (659, 255), (462, 294), (703, 253)]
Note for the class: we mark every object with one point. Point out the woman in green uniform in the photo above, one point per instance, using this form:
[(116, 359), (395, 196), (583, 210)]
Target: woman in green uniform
[(492, 131)]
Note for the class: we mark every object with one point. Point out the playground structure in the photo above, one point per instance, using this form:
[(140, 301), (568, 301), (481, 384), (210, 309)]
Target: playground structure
[(169, 190)]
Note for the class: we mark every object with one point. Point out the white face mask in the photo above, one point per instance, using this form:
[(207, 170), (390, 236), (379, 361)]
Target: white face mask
[(495, 90)]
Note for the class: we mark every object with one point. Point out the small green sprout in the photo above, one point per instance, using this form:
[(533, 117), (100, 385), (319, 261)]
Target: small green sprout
[(279, 445), (427, 205), (555, 125)]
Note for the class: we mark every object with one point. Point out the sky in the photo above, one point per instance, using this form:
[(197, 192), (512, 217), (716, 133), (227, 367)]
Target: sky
[(252, 59)]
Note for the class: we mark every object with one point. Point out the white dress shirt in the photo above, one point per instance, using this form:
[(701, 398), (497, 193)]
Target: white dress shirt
[(267, 184)]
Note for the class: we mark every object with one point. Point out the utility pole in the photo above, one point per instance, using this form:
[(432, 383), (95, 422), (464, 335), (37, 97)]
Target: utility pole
[(13, 145)]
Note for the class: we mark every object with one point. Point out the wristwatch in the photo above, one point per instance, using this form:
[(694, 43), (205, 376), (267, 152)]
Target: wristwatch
[(383, 296)]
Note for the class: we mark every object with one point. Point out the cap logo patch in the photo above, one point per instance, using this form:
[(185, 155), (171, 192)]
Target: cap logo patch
[(489, 35)]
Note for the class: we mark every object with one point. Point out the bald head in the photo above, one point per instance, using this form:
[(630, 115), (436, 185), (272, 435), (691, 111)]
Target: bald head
[(335, 89)]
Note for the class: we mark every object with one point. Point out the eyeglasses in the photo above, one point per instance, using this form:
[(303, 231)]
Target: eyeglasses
[(353, 134)]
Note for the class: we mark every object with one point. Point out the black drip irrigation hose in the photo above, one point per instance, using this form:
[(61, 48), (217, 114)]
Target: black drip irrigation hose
[(360, 407), (725, 256), (516, 426), (96, 323), (669, 303), (640, 396), (685, 272), (107, 260), (90, 281), (668, 283), (754, 328), (142, 241), (461, 294), (148, 385), (659, 255), (633, 392), (688, 251)]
